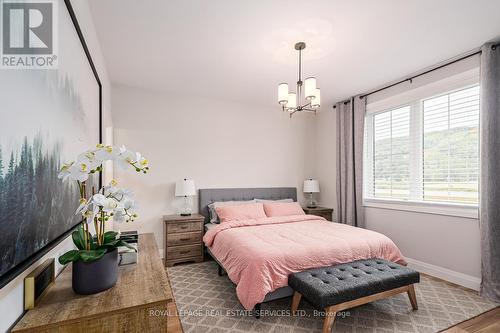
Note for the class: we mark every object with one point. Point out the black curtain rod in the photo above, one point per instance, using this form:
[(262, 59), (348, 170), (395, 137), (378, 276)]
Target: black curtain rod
[(410, 79), (493, 47)]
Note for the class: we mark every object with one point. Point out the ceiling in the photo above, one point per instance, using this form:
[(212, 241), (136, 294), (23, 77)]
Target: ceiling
[(240, 50)]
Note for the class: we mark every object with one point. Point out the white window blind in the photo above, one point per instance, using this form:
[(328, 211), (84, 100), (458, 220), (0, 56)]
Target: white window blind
[(391, 154), (426, 150), (451, 147)]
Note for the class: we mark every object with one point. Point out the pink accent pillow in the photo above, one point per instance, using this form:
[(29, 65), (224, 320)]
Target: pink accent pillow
[(282, 209), (240, 212)]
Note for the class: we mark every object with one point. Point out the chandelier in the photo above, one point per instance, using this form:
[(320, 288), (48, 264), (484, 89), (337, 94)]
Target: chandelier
[(310, 95)]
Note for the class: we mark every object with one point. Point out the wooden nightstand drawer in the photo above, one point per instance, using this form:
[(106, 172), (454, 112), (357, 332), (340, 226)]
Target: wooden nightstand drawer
[(184, 238), (176, 252), (320, 211), (184, 227)]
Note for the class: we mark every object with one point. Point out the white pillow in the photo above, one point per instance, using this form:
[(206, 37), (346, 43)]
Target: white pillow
[(213, 214), (280, 200)]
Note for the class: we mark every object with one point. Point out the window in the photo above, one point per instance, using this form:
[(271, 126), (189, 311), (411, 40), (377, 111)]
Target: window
[(425, 151), (451, 147), (391, 151)]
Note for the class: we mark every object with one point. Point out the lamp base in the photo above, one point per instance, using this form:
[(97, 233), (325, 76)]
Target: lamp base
[(185, 214), (311, 203)]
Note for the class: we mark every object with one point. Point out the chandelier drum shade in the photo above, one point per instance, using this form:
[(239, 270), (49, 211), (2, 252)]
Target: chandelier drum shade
[(307, 98)]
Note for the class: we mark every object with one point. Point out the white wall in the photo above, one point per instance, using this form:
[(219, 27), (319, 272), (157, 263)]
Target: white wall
[(325, 163), (448, 242), (444, 246), (12, 295), (216, 143)]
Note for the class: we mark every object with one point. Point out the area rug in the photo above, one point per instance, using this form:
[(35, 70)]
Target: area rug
[(207, 302)]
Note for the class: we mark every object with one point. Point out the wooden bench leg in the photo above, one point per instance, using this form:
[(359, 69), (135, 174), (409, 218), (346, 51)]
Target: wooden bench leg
[(413, 297), (330, 314), (295, 302)]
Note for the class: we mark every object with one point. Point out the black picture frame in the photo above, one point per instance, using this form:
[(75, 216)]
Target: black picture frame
[(25, 264)]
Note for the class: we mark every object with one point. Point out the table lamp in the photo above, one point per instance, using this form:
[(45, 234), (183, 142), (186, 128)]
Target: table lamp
[(185, 188), (311, 186)]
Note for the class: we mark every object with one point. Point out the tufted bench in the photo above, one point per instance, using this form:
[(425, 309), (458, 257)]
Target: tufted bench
[(344, 286)]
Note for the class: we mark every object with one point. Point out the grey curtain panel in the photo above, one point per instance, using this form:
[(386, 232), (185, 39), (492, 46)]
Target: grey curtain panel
[(489, 202), (350, 117)]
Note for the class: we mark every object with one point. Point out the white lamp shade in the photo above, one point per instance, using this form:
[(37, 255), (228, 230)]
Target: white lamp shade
[(311, 186), (185, 188), (292, 101), (316, 101), (309, 87), (283, 93)]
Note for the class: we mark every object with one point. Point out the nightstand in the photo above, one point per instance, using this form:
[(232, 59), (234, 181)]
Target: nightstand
[(183, 238), (320, 211)]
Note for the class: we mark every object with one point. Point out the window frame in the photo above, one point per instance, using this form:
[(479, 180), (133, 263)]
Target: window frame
[(414, 98)]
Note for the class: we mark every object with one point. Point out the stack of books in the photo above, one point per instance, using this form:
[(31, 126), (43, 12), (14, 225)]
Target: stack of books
[(128, 256)]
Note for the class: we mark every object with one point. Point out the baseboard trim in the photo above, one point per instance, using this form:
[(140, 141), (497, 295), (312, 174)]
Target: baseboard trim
[(461, 279)]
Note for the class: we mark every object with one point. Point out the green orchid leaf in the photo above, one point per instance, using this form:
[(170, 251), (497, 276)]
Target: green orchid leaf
[(109, 236), (70, 256), (78, 238), (92, 255)]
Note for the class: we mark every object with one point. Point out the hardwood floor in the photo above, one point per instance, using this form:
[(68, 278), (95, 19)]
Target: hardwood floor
[(173, 322), (488, 322)]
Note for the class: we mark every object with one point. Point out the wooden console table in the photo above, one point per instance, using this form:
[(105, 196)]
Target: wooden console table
[(137, 303)]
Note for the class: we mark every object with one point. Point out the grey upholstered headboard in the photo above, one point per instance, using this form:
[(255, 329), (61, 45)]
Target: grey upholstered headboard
[(207, 196)]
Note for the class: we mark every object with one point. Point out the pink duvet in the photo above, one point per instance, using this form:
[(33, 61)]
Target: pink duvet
[(260, 254)]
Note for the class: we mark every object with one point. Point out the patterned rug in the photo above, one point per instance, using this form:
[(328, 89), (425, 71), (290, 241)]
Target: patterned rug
[(207, 303)]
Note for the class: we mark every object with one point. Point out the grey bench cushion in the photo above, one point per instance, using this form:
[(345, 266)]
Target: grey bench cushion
[(327, 286)]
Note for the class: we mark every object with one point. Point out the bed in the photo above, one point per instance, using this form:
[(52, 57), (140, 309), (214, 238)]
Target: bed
[(208, 196), (258, 255)]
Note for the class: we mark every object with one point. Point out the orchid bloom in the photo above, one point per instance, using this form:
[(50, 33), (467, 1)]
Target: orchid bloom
[(91, 161)]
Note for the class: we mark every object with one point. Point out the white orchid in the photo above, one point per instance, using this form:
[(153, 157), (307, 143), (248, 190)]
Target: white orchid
[(106, 204), (119, 217), (128, 158), (125, 158), (90, 214), (79, 171), (84, 204), (106, 153), (64, 172), (143, 163), (110, 201), (87, 209), (91, 161)]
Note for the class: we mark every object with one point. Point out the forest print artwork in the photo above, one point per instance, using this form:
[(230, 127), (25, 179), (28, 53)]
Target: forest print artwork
[(46, 117)]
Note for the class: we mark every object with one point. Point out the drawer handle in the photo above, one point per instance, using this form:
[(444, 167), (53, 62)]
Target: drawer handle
[(184, 252), (184, 239), (184, 227)]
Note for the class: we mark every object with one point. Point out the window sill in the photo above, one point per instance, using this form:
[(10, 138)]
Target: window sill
[(448, 209)]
